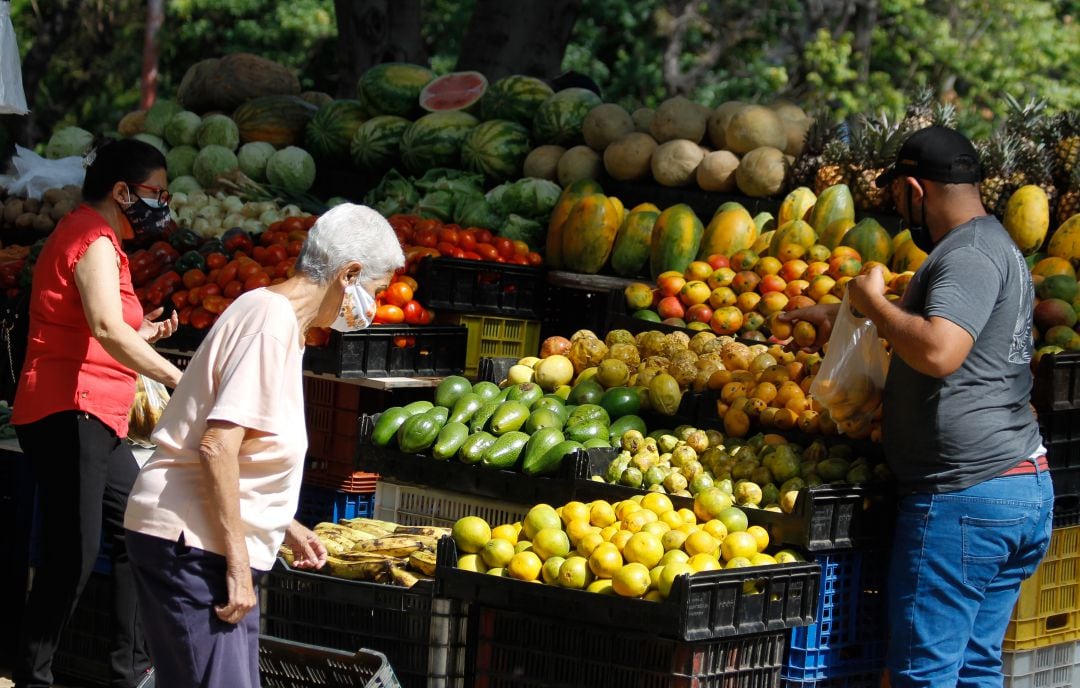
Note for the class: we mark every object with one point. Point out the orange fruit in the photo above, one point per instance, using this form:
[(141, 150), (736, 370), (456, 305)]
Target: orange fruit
[(643, 548), (605, 560), (738, 544), (525, 566), (632, 580), (700, 542), (471, 534)]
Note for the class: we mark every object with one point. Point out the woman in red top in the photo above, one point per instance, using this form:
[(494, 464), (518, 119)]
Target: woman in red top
[(87, 339)]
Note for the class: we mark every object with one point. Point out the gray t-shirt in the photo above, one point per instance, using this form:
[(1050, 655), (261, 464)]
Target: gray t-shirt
[(943, 435)]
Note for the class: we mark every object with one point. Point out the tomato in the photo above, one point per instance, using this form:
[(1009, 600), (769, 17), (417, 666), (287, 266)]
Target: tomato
[(535, 258), (518, 259), (487, 251), (427, 226), (389, 314), (276, 226), (521, 248), (414, 312), (276, 253), (233, 289), (170, 280), (155, 295), (194, 296), (457, 253), (227, 274), (201, 318), (214, 304), (445, 248), (467, 239), (309, 221), (259, 254), (211, 290), (247, 270), (317, 336), (194, 278), (471, 255), (428, 238), (398, 294), (300, 235), (505, 247), (293, 223), (448, 234), (293, 249), (281, 269), (184, 315), (260, 279), (179, 299), (483, 236), (216, 260), (413, 284)]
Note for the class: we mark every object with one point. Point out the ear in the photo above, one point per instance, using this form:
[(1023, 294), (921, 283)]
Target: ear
[(916, 189), (121, 193), (349, 272)]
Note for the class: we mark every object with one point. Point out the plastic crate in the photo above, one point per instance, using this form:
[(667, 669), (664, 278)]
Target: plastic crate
[(704, 606), (455, 284), (319, 504), (83, 653), (421, 506), (422, 635), (390, 351), (1056, 666), (333, 438), (1055, 394), (285, 664), (495, 369), (870, 679), (1048, 610), (519, 650), (849, 637), (492, 337)]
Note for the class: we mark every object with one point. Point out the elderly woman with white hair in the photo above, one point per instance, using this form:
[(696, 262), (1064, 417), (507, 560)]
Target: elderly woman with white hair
[(217, 498)]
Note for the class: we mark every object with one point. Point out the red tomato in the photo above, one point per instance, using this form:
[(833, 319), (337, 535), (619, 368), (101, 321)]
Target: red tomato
[(404, 342), (448, 235), (445, 248), (276, 253), (216, 260), (457, 253), (483, 236), (194, 278), (535, 258), (505, 247), (179, 299), (293, 249), (194, 296), (427, 226), (201, 318), (211, 290), (427, 238), (247, 270), (290, 224), (260, 279), (184, 315), (227, 274), (309, 221), (214, 304), (398, 294), (414, 312), (413, 284), (389, 314), (518, 259), (521, 248), (471, 255), (467, 239), (487, 251), (259, 254), (233, 289)]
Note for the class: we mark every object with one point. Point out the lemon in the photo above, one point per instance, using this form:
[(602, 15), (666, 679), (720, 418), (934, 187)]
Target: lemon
[(579, 528), (525, 566), (497, 553), (573, 511), (625, 508), (716, 528), (506, 532), (761, 535), (762, 559), (700, 542), (601, 514), (674, 556), (657, 502), (523, 546), (738, 563), (587, 544), (787, 556), (609, 532), (704, 562), (672, 518), (657, 528), (471, 534), (499, 572), (733, 518), (653, 596), (550, 571), (688, 516), (672, 540), (539, 517), (644, 548), (605, 560), (632, 580), (601, 586), (668, 575), (472, 562), (574, 573), (551, 542), (620, 539), (738, 545)]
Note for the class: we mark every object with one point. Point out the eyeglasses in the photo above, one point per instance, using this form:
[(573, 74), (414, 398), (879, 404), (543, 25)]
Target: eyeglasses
[(162, 195)]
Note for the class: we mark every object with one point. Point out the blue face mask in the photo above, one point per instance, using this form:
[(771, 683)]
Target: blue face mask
[(357, 310)]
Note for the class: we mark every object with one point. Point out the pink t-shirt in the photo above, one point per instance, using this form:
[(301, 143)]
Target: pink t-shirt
[(248, 372)]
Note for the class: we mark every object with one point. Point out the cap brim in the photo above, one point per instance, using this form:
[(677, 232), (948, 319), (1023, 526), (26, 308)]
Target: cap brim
[(886, 177)]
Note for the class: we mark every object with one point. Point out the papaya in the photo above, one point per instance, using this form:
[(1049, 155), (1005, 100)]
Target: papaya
[(792, 240), (537, 447), (728, 232), (387, 426), (834, 234), (1065, 242), (676, 239), (729, 205), (559, 214), (630, 254), (796, 205), (588, 234), (901, 237), (871, 240), (761, 246), (1027, 218), (764, 221), (832, 204), (908, 257)]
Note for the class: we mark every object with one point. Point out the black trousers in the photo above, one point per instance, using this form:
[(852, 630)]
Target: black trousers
[(84, 475)]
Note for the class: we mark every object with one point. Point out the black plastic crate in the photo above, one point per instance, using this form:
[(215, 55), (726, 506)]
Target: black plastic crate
[(422, 635), (569, 307), (494, 369), (521, 650), (83, 654), (705, 606), (1055, 395), (456, 284), (286, 664), (391, 351)]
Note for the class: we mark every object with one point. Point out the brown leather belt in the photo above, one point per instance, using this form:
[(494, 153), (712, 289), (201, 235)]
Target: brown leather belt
[(1027, 467)]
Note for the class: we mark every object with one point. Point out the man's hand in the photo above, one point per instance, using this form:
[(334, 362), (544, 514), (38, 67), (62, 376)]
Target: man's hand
[(866, 291), (153, 331), (820, 316), (241, 594), (308, 550)]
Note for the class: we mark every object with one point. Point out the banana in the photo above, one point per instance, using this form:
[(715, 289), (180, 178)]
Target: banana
[(286, 554), (333, 546), (402, 577), (368, 523), (424, 562), (375, 570), (429, 531), (396, 546)]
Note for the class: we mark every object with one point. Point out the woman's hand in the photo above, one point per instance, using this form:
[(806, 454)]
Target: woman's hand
[(308, 550), (153, 331), (820, 316), (241, 594)]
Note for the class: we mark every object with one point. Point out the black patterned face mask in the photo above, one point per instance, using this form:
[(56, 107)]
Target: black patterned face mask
[(149, 217)]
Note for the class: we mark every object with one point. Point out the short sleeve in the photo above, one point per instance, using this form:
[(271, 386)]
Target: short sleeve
[(962, 288), (76, 252), (248, 389)]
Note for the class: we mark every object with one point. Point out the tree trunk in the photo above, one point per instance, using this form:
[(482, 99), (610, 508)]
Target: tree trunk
[(866, 15), (155, 16), (505, 37), (374, 31)]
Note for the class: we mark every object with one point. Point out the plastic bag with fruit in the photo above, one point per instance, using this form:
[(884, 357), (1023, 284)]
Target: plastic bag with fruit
[(150, 400), (850, 382)]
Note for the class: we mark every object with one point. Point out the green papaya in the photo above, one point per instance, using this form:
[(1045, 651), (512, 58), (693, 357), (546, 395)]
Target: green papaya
[(506, 450), (509, 417), (449, 441), (472, 451), (418, 433), (586, 392), (450, 390), (387, 426), (537, 447), (465, 407)]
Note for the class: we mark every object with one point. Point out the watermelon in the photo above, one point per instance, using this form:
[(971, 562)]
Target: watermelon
[(515, 98), (377, 142), (392, 88), (435, 140), (330, 132), (455, 91), (496, 149), (558, 120)]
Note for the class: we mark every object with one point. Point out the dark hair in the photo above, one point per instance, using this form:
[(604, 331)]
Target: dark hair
[(126, 160)]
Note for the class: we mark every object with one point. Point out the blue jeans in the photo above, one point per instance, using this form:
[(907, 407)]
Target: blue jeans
[(957, 563)]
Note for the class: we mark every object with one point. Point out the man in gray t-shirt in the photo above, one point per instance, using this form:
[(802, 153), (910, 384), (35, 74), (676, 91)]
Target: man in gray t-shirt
[(975, 494)]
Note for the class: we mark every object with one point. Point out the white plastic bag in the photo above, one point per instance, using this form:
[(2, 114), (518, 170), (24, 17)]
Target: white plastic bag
[(12, 97), (851, 379), (150, 400), (34, 175)]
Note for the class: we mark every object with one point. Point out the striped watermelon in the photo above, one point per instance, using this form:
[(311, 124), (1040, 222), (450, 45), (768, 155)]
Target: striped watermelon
[(435, 140), (393, 88), (558, 120), (331, 130), (515, 98), (454, 91), (496, 149), (376, 144)]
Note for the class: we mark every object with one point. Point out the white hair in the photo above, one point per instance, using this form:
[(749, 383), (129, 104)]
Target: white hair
[(348, 233)]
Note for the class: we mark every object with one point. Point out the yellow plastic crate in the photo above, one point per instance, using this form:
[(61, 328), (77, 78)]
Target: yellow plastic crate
[(1048, 611), (492, 337)]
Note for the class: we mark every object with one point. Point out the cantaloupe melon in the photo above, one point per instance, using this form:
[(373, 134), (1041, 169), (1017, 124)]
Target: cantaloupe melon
[(679, 118), (605, 124), (643, 118), (717, 171), (579, 162), (674, 162), (762, 172), (718, 122), (754, 126), (543, 162), (630, 157)]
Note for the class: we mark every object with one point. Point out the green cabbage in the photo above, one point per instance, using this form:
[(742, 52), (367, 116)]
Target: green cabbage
[(292, 169), (394, 194), (438, 205), (475, 211), (532, 198), (253, 157), (181, 129), (520, 228), (67, 142), (455, 181), (180, 161)]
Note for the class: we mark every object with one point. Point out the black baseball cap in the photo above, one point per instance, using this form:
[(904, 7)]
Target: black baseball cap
[(936, 153)]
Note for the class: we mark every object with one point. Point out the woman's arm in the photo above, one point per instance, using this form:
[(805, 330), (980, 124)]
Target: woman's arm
[(219, 453), (98, 280)]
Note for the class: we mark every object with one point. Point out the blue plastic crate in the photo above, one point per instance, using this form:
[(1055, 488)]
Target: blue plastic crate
[(861, 680), (319, 504), (849, 638)]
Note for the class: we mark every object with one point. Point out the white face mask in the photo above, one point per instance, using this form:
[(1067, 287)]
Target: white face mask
[(357, 310)]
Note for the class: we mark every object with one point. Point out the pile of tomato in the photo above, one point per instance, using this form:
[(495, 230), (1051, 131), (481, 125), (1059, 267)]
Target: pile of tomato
[(420, 237)]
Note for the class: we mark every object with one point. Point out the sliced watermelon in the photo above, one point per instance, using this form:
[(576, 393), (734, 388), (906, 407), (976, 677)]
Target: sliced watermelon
[(455, 91)]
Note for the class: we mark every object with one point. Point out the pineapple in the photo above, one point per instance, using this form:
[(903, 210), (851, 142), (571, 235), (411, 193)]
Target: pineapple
[(833, 168), (1035, 165), (821, 131), (1069, 203), (873, 148), (997, 156), (1066, 131), (920, 112)]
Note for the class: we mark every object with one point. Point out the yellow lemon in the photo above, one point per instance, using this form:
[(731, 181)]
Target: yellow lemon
[(497, 553), (551, 542), (701, 542), (601, 514), (525, 566), (470, 534), (674, 556), (761, 535), (574, 573), (737, 563), (506, 532), (620, 538), (605, 560), (471, 562), (715, 528), (539, 517), (523, 546), (587, 544), (740, 544), (654, 575), (608, 532), (704, 562), (668, 575), (672, 518), (632, 580), (672, 540), (550, 570), (688, 516), (653, 596), (657, 528), (657, 502), (601, 586), (762, 559), (643, 548), (579, 528), (573, 511), (625, 508)]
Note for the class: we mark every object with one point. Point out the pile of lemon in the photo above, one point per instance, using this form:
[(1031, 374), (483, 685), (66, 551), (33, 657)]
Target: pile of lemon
[(633, 548)]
